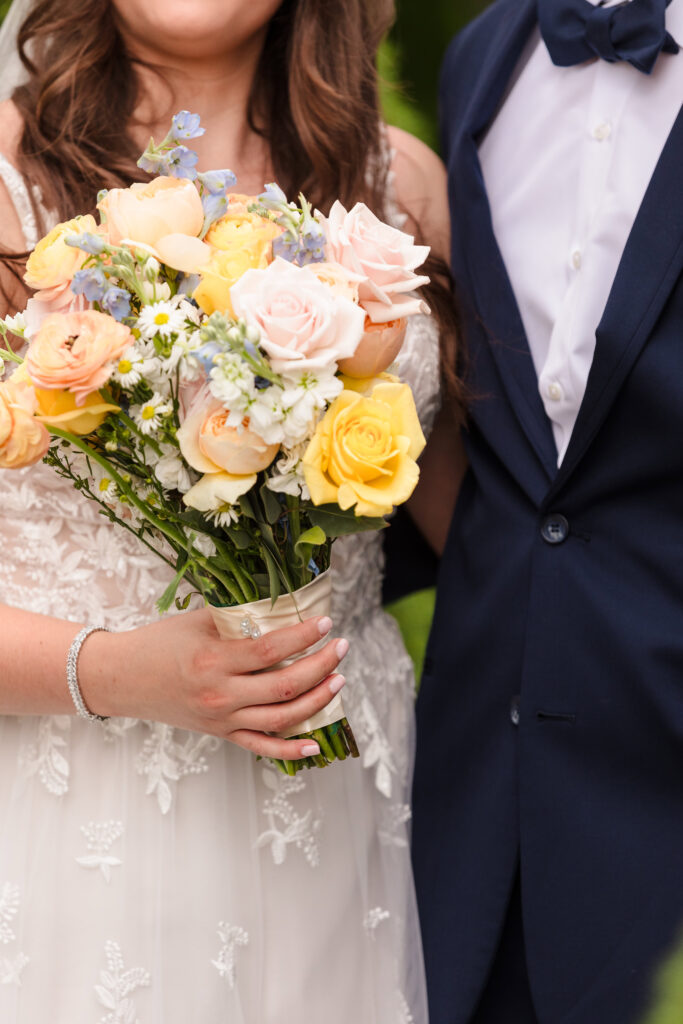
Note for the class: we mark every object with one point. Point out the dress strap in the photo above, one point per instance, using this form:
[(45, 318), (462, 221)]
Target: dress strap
[(19, 194)]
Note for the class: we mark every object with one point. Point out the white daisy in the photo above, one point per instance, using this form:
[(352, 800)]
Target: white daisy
[(149, 415), (128, 369), (103, 486), (224, 516), (162, 318)]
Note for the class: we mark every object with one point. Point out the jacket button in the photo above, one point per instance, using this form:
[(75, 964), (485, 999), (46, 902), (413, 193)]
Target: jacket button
[(555, 529), (514, 709)]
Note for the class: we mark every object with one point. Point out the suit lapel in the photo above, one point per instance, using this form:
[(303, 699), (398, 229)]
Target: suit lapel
[(650, 266), (489, 282)]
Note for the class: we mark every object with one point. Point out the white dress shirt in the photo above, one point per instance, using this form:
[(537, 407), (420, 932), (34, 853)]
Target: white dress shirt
[(566, 163)]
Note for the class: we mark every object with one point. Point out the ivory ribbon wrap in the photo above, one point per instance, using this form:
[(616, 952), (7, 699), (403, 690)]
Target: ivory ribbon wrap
[(311, 601)]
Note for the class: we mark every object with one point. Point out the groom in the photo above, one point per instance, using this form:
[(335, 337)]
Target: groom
[(548, 805)]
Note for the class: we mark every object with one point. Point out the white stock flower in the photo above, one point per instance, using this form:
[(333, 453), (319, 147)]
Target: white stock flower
[(232, 382), (16, 324), (204, 545), (171, 471), (288, 476), (305, 395)]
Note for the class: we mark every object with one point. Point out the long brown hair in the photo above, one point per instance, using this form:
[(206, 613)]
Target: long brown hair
[(314, 99)]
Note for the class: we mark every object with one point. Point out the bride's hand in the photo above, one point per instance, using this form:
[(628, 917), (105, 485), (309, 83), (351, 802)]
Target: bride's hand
[(180, 671)]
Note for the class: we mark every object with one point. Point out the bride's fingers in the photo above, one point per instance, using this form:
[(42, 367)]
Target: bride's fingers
[(271, 746), (286, 684), (281, 718), (257, 655)]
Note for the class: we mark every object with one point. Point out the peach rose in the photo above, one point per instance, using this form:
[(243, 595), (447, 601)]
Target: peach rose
[(378, 348), (23, 439), (43, 304), (51, 266), (303, 323), (147, 213), (210, 446), (385, 257), (75, 352)]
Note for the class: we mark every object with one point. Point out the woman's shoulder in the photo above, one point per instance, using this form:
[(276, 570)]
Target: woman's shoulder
[(420, 186), (11, 127)]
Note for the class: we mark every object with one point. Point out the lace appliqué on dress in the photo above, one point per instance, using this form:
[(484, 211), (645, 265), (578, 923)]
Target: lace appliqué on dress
[(286, 825), (232, 937), (164, 759), (11, 967), (100, 837), (46, 757), (116, 985)]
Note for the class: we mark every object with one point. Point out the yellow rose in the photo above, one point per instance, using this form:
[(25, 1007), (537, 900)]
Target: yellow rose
[(23, 439), (364, 450), (53, 263), (59, 409), (365, 385), (225, 269), (239, 227)]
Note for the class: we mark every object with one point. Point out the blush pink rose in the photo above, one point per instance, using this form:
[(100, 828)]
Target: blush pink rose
[(304, 324), (148, 213), (379, 347), (76, 352), (383, 256)]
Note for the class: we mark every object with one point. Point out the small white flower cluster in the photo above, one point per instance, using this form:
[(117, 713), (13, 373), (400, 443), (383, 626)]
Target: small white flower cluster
[(285, 415), (287, 476)]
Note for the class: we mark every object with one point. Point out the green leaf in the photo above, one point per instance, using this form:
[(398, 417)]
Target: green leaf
[(183, 605), (168, 596), (246, 507), (273, 575), (271, 506), (313, 537), (240, 538), (338, 523)]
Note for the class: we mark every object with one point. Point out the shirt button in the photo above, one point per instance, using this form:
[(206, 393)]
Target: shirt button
[(514, 709), (555, 392), (602, 131), (555, 529), (576, 259)]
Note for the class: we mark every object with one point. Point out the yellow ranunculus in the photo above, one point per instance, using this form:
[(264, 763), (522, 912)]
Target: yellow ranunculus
[(225, 269), (364, 450), (53, 263), (59, 409), (240, 228)]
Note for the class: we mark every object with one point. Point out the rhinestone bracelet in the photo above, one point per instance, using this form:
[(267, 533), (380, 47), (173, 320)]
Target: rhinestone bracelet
[(72, 672)]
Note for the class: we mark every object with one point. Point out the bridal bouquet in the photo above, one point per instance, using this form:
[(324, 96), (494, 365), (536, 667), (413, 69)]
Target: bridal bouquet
[(210, 369)]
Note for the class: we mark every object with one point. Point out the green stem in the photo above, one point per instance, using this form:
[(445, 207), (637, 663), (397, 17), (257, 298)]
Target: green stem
[(337, 743), (321, 738)]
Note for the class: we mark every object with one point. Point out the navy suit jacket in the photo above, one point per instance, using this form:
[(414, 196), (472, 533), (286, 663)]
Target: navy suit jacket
[(580, 643)]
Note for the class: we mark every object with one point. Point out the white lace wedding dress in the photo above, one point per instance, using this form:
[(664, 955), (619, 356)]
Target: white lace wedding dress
[(158, 876)]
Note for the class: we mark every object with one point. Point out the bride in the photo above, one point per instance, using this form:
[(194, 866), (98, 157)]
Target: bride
[(151, 868)]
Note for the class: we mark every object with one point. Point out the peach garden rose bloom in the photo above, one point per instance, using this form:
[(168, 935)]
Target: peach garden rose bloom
[(379, 347), (147, 213), (364, 451), (75, 352), (383, 256), (303, 323), (23, 439), (228, 457)]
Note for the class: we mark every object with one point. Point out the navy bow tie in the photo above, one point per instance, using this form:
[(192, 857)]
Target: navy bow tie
[(575, 31)]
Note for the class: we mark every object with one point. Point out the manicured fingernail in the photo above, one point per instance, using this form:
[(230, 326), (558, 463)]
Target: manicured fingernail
[(310, 750), (324, 626), (342, 648), (335, 684)]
